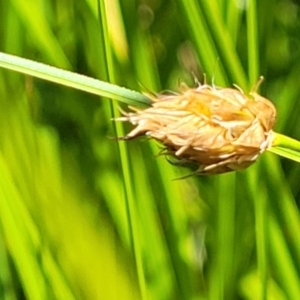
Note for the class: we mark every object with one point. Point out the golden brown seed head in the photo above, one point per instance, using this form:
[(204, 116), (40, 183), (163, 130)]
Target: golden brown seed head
[(218, 129)]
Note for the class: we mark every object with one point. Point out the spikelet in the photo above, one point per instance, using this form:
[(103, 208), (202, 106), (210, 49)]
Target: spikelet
[(217, 129)]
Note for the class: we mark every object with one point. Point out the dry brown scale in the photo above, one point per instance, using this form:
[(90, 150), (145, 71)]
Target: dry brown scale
[(218, 129)]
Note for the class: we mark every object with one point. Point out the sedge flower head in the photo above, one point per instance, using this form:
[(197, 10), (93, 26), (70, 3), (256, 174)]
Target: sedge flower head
[(217, 129)]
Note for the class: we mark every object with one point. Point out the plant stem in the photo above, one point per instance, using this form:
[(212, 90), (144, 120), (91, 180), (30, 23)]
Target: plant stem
[(77, 81)]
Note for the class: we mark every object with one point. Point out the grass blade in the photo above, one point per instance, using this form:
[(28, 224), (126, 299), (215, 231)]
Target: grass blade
[(73, 80), (35, 19), (286, 147), (129, 199), (284, 266), (253, 55), (224, 43)]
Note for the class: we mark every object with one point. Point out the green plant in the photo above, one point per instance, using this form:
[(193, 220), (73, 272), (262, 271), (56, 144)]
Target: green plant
[(82, 214)]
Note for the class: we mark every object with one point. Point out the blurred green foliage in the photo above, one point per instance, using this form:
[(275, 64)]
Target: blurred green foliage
[(84, 216)]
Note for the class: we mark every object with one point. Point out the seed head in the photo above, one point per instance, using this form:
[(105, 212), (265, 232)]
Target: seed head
[(217, 129)]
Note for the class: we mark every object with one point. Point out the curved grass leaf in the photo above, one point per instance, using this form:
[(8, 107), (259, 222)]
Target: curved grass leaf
[(73, 80)]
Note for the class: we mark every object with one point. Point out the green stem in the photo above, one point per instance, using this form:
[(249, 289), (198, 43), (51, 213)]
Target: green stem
[(253, 55), (283, 141), (285, 146), (73, 80)]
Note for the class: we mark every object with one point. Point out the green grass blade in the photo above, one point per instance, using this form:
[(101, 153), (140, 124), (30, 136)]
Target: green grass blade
[(252, 39), (128, 182), (260, 208), (224, 43), (286, 147), (7, 289), (34, 19), (283, 261), (22, 240), (222, 276), (287, 153), (68, 176), (232, 19), (73, 80), (283, 141), (284, 203), (206, 48)]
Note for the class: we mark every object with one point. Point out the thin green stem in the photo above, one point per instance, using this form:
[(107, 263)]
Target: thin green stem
[(73, 80), (284, 141), (283, 260), (253, 55), (261, 243), (285, 146), (221, 37), (123, 153), (260, 208), (201, 34)]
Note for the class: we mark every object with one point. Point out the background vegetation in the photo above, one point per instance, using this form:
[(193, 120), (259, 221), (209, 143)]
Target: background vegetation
[(84, 216)]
